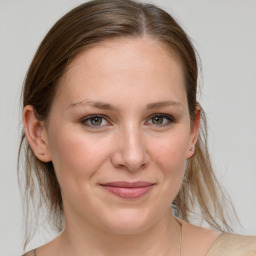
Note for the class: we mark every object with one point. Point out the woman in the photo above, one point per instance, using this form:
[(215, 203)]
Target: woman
[(115, 136)]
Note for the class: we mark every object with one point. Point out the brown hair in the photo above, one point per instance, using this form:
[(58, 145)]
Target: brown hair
[(83, 27)]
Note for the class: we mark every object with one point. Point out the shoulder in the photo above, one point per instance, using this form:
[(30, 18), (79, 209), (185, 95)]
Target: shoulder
[(231, 244), (30, 253), (197, 240)]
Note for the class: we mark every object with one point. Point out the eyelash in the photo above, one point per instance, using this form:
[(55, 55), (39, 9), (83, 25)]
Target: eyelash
[(170, 119), (90, 118)]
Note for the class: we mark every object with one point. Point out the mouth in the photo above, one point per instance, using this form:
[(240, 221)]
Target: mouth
[(128, 190)]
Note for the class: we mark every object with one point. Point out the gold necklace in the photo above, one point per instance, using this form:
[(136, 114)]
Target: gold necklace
[(180, 242)]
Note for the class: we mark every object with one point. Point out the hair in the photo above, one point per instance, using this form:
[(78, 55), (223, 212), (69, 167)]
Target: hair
[(84, 27)]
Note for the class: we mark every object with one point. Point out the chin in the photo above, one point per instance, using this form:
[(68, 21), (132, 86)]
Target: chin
[(129, 222)]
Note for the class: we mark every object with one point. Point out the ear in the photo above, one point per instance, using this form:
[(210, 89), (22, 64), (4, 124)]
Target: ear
[(194, 132), (36, 134)]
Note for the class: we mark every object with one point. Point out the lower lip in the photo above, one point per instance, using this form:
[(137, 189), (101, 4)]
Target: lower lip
[(128, 193)]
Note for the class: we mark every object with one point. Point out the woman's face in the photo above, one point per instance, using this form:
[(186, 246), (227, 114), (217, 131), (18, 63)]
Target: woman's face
[(119, 134)]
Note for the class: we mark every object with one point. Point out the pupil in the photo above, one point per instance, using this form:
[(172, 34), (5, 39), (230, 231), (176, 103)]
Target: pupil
[(96, 120), (158, 120)]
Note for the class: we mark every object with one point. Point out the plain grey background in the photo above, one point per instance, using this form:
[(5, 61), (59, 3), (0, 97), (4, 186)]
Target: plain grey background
[(224, 34)]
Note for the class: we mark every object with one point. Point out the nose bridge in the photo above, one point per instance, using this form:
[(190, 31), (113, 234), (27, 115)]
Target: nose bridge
[(133, 151)]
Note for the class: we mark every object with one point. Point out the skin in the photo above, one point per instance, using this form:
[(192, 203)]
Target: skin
[(127, 81)]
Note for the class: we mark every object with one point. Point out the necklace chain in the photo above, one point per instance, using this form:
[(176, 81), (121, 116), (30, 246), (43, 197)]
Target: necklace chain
[(180, 242)]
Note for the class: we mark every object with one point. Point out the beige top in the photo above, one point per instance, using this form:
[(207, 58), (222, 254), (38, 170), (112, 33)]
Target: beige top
[(225, 245), (233, 245)]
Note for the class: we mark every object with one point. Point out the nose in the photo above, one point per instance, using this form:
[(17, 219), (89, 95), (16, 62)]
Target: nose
[(131, 152)]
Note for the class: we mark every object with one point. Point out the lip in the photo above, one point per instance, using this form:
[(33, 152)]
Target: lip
[(128, 190)]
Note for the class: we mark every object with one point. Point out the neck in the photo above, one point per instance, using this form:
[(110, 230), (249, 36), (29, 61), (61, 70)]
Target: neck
[(81, 238)]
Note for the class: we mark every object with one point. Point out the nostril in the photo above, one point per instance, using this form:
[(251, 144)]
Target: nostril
[(130, 152), (131, 162)]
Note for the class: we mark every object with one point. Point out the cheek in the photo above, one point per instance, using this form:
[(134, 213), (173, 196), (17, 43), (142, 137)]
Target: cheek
[(171, 151), (76, 157), (170, 158)]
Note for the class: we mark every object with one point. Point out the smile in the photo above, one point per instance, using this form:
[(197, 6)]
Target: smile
[(128, 190)]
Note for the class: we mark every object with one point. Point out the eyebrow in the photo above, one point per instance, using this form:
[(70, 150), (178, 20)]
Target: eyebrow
[(107, 106), (95, 104), (164, 104)]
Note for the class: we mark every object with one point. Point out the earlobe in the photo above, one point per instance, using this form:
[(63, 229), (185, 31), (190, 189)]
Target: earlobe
[(194, 132), (36, 134)]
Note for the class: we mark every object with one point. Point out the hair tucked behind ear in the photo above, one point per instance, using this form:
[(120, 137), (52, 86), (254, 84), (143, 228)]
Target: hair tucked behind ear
[(84, 27)]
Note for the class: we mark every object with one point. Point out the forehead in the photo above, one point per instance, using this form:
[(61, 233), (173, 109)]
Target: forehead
[(123, 63)]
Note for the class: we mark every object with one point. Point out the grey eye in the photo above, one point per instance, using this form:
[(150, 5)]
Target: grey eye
[(161, 120), (157, 120), (96, 120)]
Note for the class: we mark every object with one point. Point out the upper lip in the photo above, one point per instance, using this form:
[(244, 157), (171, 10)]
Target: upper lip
[(126, 184)]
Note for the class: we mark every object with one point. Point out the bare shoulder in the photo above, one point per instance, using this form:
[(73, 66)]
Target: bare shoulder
[(197, 240), (202, 241), (51, 248), (233, 244)]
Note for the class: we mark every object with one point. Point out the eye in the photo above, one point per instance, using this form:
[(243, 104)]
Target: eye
[(94, 121), (161, 120)]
